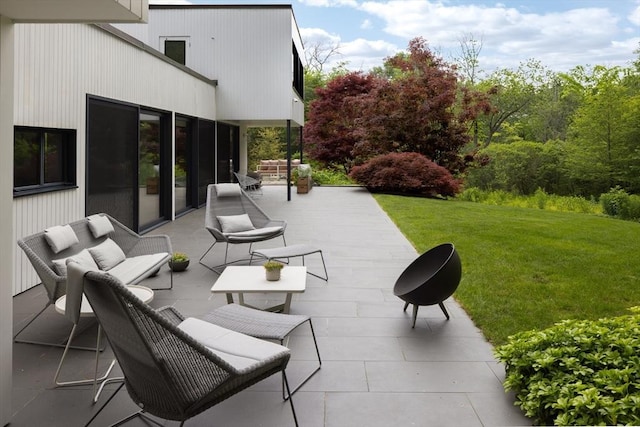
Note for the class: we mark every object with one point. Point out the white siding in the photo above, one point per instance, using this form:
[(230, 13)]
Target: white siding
[(56, 66), (247, 49)]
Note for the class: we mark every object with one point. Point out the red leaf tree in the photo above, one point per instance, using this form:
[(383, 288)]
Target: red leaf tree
[(332, 130), (418, 111)]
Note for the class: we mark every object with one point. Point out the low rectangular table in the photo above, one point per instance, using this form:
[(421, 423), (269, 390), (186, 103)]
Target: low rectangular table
[(251, 279)]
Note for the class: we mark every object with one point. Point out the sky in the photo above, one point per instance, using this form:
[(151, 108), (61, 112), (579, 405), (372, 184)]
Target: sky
[(561, 34)]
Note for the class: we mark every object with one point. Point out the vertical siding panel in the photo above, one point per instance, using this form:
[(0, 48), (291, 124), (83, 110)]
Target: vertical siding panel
[(57, 65)]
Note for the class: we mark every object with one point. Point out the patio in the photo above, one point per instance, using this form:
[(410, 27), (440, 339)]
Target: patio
[(376, 369)]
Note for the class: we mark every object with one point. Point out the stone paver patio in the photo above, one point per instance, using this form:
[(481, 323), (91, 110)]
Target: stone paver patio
[(376, 370)]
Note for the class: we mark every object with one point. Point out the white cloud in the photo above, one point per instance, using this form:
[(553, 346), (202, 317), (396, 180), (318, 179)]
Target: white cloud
[(558, 39), (329, 3), (366, 25), (634, 16), (318, 35)]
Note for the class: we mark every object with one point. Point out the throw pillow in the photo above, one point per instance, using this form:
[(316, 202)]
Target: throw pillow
[(107, 254), (99, 225), (83, 258), (235, 223), (227, 190), (60, 237)]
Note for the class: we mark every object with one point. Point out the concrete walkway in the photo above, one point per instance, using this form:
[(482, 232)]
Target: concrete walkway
[(376, 370)]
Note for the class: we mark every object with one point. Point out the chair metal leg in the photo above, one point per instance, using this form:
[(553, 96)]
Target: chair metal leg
[(49, 344), (140, 413), (415, 314), (15, 337), (308, 377), (326, 275), (293, 410), (93, 380)]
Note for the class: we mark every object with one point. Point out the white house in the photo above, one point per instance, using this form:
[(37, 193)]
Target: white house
[(96, 118)]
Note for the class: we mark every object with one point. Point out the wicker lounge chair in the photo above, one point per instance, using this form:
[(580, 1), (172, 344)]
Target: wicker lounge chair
[(233, 218), (252, 185), (175, 368)]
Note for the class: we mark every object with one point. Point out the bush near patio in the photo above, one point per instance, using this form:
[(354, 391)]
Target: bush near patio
[(405, 173), (578, 372)]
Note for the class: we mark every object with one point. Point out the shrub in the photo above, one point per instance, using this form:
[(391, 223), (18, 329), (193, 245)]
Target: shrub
[(615, 202), (578, 372), (405, 173)]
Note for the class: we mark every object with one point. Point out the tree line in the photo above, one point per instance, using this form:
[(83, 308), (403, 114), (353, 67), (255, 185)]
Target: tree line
[(518, 130)]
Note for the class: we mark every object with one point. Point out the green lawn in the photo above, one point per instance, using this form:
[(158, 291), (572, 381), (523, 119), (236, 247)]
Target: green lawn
[(525, 268)]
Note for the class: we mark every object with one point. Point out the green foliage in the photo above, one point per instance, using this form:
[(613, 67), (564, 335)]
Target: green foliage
[(179, 257), (273, 265), (618, 203), (520, 167), (331, 176), (578, 372), (540, 200)]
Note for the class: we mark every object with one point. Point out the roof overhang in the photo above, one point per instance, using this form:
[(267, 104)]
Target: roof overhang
[(75, 10)]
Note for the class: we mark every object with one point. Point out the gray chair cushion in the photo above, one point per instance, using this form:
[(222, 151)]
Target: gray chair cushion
[(239, 350)]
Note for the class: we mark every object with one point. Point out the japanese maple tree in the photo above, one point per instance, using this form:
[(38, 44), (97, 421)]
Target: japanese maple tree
[(418, 110), (332, 130)]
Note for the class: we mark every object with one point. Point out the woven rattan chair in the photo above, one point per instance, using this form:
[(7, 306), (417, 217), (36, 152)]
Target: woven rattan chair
[(249, 184), (229, 200), (167, 372), (41, 256)]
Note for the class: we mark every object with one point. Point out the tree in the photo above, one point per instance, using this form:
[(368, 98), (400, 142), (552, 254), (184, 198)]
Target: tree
[(418, 111), (265, 143), (469, 69), (511, 94), (332, 129), (318, 54), (604, 144)]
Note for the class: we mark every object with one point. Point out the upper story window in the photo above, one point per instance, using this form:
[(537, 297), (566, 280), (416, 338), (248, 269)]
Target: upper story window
[(43, 160), (298, 73), (175, 48)]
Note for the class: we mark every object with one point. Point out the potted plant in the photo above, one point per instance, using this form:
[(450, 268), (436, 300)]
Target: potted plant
[(272, 270), (179, 261)]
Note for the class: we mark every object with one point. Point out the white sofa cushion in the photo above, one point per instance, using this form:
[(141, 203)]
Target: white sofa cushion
[(227, 190), (239, 350), (83, 258), (235, 223), (60, 237), (132, 269), (256, 232), (107, 254), (99, 225)]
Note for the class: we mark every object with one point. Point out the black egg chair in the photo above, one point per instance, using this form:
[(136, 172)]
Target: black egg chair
[(430, 279)]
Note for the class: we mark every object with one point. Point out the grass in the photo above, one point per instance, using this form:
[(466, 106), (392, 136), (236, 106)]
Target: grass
[(525, 269)]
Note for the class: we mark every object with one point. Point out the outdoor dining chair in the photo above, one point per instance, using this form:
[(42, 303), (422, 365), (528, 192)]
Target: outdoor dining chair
[(174, 367)]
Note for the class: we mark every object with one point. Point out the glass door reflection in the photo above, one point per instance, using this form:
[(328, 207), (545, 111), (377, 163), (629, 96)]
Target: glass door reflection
[(149, 169)]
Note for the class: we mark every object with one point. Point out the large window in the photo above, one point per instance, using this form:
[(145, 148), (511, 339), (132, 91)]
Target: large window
[(44, 160)]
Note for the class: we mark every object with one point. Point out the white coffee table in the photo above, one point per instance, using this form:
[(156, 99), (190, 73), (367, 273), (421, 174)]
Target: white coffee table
[(251, 279)]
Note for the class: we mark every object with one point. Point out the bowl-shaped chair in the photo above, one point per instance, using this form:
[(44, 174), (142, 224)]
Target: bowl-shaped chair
[(430, 279)]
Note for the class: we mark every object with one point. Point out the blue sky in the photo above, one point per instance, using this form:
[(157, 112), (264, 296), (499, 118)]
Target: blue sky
[(561, 33)]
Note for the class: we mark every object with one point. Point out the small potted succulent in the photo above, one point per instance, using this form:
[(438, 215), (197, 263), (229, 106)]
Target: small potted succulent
[(179, 261), (272, 270)]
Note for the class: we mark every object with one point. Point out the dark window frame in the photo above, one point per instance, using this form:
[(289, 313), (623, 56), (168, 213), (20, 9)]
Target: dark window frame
[(68, 157)]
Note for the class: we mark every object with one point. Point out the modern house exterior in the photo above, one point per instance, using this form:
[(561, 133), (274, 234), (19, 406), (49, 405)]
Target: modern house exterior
[(94, 117)]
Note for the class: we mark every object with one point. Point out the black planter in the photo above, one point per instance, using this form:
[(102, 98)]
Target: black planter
[(178, 265)]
